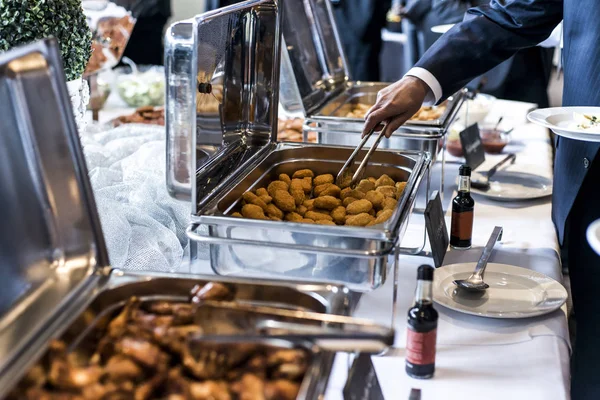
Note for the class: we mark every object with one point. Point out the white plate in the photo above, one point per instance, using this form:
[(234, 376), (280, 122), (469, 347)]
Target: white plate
[(510, 185), (593, 236), (562, 121), (514, 292), (441, 28)]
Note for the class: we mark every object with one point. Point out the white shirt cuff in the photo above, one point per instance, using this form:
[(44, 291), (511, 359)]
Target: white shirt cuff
[(435, 89)]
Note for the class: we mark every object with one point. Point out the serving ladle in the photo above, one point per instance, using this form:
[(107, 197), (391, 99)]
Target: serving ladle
[(475, 281)]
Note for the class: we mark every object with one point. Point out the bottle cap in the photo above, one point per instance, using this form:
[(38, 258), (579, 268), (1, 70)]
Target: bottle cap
[(464, 170), (425, 273)]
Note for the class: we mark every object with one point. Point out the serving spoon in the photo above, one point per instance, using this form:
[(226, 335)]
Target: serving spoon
[(475, 281)]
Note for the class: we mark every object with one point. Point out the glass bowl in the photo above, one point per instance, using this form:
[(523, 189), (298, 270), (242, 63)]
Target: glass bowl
[(146, 88), (494, 140)]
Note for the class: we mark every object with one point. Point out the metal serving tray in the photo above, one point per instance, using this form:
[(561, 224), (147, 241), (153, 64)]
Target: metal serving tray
[(53, 260), (354, 256), (316, 81)]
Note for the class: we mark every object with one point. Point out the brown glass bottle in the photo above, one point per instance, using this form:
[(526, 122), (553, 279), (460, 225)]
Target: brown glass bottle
[(463, 205), (422, 328)]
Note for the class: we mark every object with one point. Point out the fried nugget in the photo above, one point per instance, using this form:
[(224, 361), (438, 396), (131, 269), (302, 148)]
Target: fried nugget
[(285, 178), (320, 188), (331, 190), (373, 180), (267, 199), (376, 198), (284, 201), (262, 192), (275, 186), (325, 222), (400, 186), (251, 198), (237, 215), (322, 179), (365, 186), (307, 184), (348, 201), (301, 209), (307, 221), (293, 217), (298, 195), (357, 194), (362, 219), (387, 191), (275, 219), (253, 211), (317, 216), (327, 202), (384, 180), (372, 212), (360, 206), (389, 203), (339, 215), (303, 173), (382, 216), (274, 212), (345, 180), (309, 204)]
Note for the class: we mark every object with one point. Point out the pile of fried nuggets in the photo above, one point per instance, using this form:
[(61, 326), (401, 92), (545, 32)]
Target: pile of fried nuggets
[(307, 198)]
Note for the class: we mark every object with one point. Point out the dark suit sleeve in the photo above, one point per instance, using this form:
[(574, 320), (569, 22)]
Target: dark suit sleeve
[(489, 35)]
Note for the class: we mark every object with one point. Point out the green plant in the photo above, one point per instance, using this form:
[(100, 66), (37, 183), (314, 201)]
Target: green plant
[(25, 21)]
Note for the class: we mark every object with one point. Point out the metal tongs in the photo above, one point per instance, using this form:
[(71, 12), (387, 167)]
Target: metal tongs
[(345, 334), (344, 173)]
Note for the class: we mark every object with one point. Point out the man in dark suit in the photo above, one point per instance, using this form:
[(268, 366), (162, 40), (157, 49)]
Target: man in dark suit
[(490, 35)]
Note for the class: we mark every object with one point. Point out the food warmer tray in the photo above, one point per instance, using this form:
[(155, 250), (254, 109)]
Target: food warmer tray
[(54, 263), (315, 80), (237, 48)]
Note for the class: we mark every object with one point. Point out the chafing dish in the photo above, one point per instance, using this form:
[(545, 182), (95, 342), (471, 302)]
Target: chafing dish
[(55, 268), (243, 59), (315, 80)]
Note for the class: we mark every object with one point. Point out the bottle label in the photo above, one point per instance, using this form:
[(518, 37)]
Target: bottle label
[(420, 347), (462, 225)]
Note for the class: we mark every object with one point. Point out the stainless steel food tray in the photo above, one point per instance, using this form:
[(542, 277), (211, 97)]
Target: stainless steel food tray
[(353, 256)]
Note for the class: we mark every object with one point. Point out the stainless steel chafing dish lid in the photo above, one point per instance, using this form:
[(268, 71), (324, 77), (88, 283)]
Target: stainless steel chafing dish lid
[(222, 71), (50, 237)]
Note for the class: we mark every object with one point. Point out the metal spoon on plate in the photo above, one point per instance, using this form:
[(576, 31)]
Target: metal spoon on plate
[(475, 281)]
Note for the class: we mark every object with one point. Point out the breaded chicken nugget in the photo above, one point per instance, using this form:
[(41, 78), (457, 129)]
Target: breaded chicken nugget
[(362, 219), (273, 211), (301, 209), (277, 185), (275, 219), (348, 201), (298, 195), (345, 181), (308, 221), (327, 202), (262, 192), (357, 194), (322, 179), (267, 199), (253, 211), (387, 191), (389, 203), (383, 216), (303, 173), (325, 222), (339, 215), (317, 216), (284, 201), (371, 179), (307, 184), (400, 186), (376, 198), (360, 206), (293, 217), (331, 190), (285, 178), (320, 188), (309, 204), (384, 180), (251, 198), (237, 215), (365, 186)]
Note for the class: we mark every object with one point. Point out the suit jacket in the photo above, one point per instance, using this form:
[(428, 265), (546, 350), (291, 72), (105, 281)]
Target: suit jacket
[(497, 31)]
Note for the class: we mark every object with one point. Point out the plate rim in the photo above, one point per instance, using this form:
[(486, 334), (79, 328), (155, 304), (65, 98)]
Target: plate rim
[(593, 236), (540, 115), (511, 316), (498, 198)]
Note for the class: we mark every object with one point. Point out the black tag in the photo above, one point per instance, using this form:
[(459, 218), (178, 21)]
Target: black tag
[(472, 146), (362, 383), (436, 228)]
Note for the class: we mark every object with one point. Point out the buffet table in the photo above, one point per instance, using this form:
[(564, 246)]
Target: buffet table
[(476, 356)]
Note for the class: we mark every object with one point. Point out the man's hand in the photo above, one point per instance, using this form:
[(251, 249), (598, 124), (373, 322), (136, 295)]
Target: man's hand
[(396, 104)]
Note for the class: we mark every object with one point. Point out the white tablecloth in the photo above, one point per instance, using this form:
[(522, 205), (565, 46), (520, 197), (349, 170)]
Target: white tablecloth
[(477, 357)]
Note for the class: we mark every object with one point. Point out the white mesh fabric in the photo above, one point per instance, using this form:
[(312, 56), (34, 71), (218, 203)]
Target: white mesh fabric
[(143, 226)]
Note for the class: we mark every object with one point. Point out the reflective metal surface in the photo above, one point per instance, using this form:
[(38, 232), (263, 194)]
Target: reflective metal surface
[(51, 241), (223, 73), (353, 256)]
